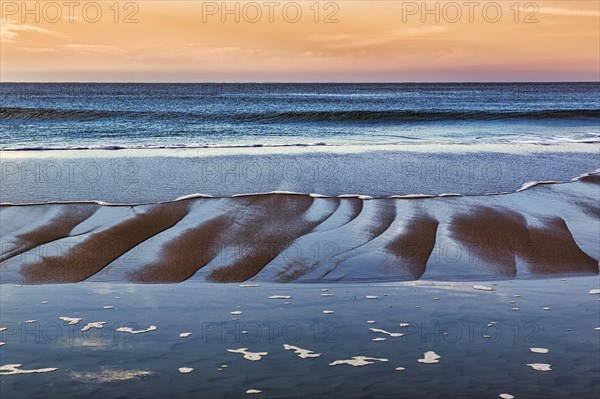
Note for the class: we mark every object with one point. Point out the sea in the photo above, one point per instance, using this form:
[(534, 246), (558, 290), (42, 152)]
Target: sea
[(39, 116)]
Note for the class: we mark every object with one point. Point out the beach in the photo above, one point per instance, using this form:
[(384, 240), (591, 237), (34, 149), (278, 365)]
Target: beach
[(291, 240)]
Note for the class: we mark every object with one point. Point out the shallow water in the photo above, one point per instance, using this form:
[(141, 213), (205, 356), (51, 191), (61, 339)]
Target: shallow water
[(470, 365)]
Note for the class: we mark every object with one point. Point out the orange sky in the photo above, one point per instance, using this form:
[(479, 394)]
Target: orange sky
[(371, 41)]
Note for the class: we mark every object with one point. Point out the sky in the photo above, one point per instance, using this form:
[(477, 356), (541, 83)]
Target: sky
[(300, 41)]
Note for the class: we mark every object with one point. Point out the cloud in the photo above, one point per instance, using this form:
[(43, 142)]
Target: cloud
[(11, 29), (565, 12)]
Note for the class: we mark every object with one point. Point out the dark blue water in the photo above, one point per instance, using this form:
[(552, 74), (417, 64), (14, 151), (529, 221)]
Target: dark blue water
[(142, 115)]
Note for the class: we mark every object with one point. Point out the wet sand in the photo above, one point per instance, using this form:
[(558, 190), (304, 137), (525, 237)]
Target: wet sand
[(297, 237)]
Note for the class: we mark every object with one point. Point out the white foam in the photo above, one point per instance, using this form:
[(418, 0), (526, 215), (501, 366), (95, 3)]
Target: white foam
[(379, 339), (546, 308), (185, 370), (108, 375), (326, 294), (95, 324), (3, 329), (515, 309), (253, 391), (280, 297), (430, 357), (11, 369), (302, 353), (370, 321), (400, 369), (506, 396), (483, 288), (539, 350), (328, 312), (540, 366), (249, 285), (595, 291), (70, 320), (380, 331), (252, 356), (30, 321), (404, 324), (185, 334), (108, 307), (44, 302), (132, 331), (371, 297), (235, 312), (358, 361), (530, 184)]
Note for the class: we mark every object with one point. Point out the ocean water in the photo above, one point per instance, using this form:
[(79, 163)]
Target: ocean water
[(112, 116)]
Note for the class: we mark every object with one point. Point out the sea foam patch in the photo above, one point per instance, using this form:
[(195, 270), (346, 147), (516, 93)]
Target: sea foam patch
[(252, 356), (539, 350), (540, 366), (70, 320), (381, 331), (132, 331), (95, 324), (302, 353), (480, 287), (430, 357), (12, 369), (358, 361), (108, 375)]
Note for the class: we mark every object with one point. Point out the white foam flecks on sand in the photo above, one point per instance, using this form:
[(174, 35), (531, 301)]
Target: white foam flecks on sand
[(539, 350), (252, 356), (280, 297), (185, 334), (328, 312), (95, 324), (132, 331), (108, 307), (546, 308), (108, 375), (540, 366), (358, 361), (506, 396), (595, 291), (370, 321), (249, 285), (326, 294), (302, 353), (185, 370), (11, 369), (371, 297), (44, 302), (30, 321), (380, 331), (379, 339), (483, 288), (430, 357), (515, 309), (70, 320), (235, 312), (253, 391)]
